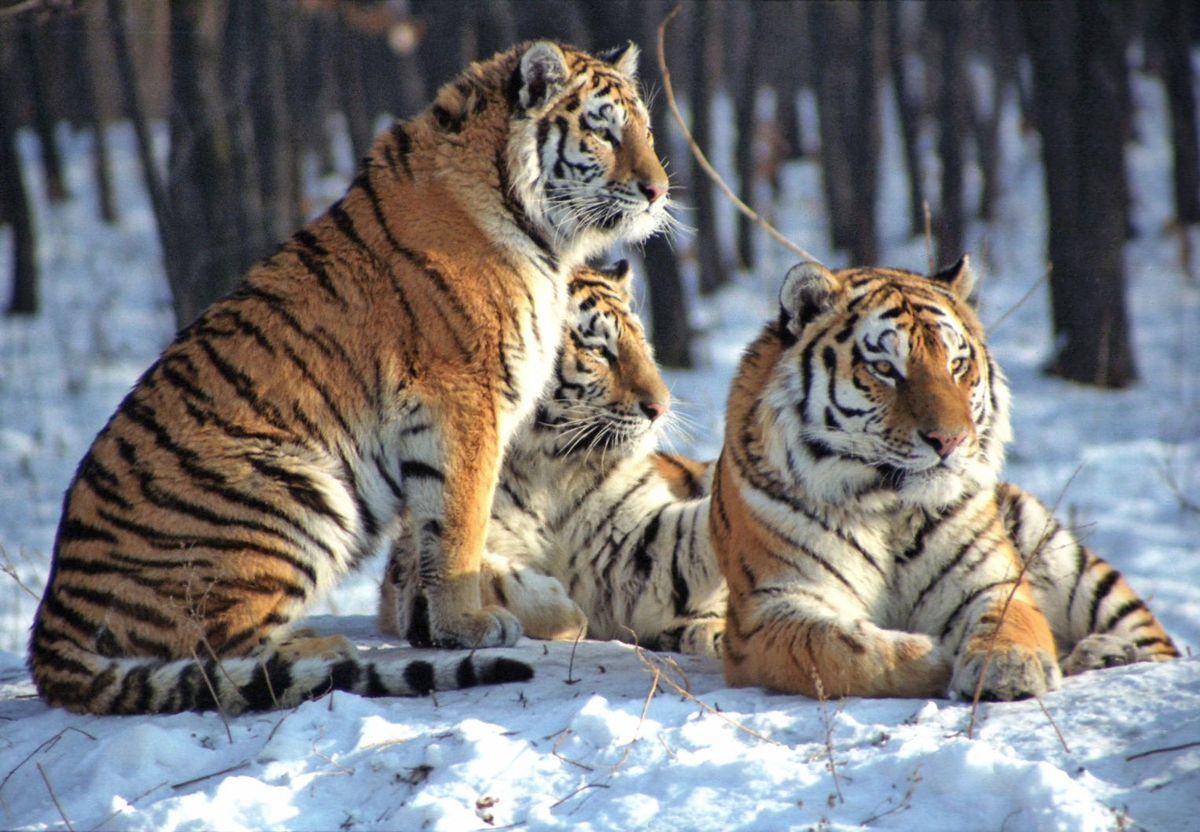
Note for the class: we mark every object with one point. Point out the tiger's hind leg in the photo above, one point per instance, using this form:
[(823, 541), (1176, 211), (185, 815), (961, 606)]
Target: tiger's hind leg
[(538, 600), (305, 642), (698, 636)]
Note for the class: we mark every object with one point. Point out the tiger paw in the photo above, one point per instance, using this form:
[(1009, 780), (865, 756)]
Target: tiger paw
[(490, 627), (1098, 651), (1008, 674), (306, 643)]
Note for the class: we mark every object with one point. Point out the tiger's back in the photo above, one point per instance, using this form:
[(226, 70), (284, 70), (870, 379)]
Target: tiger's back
[(858, 518), (373, 368)]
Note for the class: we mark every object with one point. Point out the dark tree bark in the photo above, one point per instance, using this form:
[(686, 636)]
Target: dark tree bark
[(954, 112), (153, 180), (705, 72), (14, 208), (200, 179), (1178, 17), (908, 111), (87, 51), (1078, 53), (38, 72), (748, 26), (671, 332), (844, 48), (352, 96)]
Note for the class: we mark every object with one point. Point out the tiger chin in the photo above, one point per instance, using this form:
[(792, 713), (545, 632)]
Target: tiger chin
[(360, 383), (869, 545), (592, 531)]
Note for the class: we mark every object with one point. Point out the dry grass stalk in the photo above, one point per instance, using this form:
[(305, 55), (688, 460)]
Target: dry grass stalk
[(54, 797), (212, 689), (828, 724), (661, 676), (699, 154), (1037, 551)]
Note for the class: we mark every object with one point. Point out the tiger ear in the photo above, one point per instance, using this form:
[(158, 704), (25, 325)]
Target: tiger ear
[(543, 69), (959, 278), (808, 290), (624, 58)]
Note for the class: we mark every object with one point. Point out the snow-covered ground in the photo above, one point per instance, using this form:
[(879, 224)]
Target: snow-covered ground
[(599, 740)]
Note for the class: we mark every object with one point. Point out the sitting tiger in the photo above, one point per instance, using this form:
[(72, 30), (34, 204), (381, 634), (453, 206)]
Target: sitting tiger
[(585, 504), (868, 545), (375, 366)]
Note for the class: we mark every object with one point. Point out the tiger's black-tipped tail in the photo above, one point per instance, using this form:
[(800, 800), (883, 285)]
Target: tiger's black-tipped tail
[(88, 683)]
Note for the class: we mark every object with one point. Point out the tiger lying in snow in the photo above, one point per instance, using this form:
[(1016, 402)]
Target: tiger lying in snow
[(589, 527), (857, 515)]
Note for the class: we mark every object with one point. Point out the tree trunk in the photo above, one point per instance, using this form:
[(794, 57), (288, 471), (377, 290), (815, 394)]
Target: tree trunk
[(14, 208), (150, 173), (848, 104), (748, 27), (87, 52), (1078, 54), (706, 70), (38, 72), (671, 332), (954, 108), (908, 111), (1178, 17), (200, 181)]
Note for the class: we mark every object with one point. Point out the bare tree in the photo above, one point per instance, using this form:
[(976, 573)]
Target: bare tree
[(1078, 54), (14, 203)]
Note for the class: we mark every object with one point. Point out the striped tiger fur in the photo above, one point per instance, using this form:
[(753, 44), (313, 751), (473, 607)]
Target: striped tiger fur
[(363, 379), (589, 527), (857, 516)]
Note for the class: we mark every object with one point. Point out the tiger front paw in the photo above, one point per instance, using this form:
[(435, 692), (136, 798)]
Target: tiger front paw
[(1008, 674), (490, 627), (1098, 651), (307, 643)]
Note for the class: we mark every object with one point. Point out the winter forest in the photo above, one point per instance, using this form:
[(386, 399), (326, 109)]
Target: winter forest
[(151, 152)]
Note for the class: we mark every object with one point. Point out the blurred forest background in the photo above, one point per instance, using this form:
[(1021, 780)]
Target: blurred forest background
[(231, 99)]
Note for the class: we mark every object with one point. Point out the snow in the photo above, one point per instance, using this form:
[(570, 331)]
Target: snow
[(603, 738)]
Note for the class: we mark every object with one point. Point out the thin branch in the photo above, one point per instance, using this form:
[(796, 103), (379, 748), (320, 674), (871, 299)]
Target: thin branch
[(699, 154), (43, 747), (10, 569), (570, 680), (213, 690), (1053, 724), (1166, 750), (204, 777), (1028, 294), (825, 721), (1025, 564), (54, 797)]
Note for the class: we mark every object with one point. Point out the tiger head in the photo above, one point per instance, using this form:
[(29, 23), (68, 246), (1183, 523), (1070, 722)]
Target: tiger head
[(607, 394), (581, 150), (883, 387)]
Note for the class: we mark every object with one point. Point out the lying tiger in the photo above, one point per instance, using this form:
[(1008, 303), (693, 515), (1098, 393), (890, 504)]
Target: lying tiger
[(858, 518), (590, 528)]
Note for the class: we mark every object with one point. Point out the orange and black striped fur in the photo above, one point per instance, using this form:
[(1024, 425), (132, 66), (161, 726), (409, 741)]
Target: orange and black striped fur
[(590, 527), (857, 515), (362, 380)]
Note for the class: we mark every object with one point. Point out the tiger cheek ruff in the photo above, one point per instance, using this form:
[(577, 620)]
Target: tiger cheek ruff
[(361, 383)]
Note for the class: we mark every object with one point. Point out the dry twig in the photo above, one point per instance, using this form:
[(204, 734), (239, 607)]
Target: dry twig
[(1025, 564), (54, 797), (699, 154)]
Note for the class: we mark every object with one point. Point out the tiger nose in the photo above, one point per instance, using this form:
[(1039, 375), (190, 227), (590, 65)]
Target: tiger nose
[(654, 410), (944, 444), (652, 191)]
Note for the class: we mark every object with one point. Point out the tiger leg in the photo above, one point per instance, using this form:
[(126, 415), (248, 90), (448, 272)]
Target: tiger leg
[(306, 642), (700, 635), (448, 511), (1007, 652), (789, 642), (1097, 619)]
